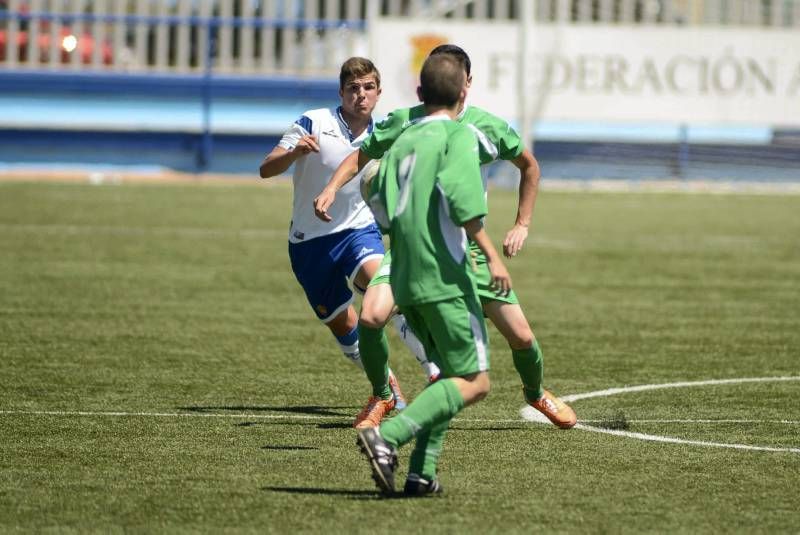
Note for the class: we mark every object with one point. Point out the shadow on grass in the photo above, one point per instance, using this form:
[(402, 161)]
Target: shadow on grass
[(354, 494), (335, 426), (330, 492), (312, 410), (471, 429), (295, 423), (288, 448), (617, 422)]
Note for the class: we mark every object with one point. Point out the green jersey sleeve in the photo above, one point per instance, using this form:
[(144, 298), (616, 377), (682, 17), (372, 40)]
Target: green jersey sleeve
[(496, 138), (385, 133), (460, 177)]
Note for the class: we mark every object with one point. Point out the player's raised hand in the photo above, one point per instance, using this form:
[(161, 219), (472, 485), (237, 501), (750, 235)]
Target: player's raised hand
[(515, 239), (322, 202), (306, 144)]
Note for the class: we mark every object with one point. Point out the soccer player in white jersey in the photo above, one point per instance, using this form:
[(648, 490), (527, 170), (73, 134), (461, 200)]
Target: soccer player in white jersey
[(325, 256)]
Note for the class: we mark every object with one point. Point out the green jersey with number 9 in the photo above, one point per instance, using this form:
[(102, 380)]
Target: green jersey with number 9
[(429, 185)]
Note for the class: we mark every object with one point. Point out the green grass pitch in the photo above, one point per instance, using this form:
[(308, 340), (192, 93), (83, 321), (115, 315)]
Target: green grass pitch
[(162, 372)]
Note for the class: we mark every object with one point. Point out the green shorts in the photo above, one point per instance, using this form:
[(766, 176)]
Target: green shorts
[(382, 275), (453, 332), (483, 278), (485, 293)]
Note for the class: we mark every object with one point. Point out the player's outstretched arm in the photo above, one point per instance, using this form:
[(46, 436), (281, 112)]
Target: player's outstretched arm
[(280, 159), (501, 280), (349, 168), (529, 174)]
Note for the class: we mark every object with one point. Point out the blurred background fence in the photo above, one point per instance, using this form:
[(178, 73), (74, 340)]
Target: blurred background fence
[(296, 37), (211, 84)]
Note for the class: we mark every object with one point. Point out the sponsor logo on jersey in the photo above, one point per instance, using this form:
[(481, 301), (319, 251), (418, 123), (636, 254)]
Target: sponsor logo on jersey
[(330, 132)]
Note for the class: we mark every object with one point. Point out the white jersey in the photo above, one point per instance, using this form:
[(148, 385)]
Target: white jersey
[(313, 171)]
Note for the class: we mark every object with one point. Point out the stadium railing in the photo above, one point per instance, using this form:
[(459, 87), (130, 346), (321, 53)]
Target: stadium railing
[(294, 37)]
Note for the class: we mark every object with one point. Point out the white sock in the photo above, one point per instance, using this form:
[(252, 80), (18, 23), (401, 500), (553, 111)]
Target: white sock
[(352, 354), (414, 345)]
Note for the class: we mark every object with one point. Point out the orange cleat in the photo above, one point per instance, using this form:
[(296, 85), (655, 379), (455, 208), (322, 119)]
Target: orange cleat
[(375, 411), (555, 410)]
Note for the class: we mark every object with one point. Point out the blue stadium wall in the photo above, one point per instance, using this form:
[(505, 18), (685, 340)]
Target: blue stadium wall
[(149, 121), (155, 122)]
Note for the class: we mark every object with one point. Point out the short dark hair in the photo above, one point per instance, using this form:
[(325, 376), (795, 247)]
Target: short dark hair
[(356, 67), (441, 80), (455, 51)]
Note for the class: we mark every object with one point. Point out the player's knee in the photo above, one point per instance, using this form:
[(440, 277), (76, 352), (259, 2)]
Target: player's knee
[(372, 319), (482, 390), (480, 395), (480, 387), (520, 338), (342, 323)]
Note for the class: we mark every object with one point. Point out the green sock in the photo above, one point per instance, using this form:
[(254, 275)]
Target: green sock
[(374, 348), (426, 452), (435, 405), (529, 365)]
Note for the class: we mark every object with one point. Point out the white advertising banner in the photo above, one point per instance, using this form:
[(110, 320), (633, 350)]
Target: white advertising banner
[(607, 73)]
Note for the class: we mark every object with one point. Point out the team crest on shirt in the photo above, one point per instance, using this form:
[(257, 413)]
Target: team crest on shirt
[(322, 309)]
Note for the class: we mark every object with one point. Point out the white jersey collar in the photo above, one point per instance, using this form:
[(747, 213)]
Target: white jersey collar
[(346, 128)]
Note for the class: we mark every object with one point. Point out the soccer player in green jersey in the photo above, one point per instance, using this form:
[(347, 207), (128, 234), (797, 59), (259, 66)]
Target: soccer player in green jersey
[(496, 140), (429, 196)]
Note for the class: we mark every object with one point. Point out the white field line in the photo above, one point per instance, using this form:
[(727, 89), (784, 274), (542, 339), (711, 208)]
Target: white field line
[(682, 384), (115, 177), (234, 416), (673, 440), (172, 415), (662, 244), (728, 187), (141, 231), (245, 416), (529, 413), (200, 232), (706, 421)]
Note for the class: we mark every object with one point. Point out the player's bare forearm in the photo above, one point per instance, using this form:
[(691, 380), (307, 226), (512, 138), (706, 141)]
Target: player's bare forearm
[(275, 163), (528, 190), (501, 280), (279, 160), (348, 169)]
